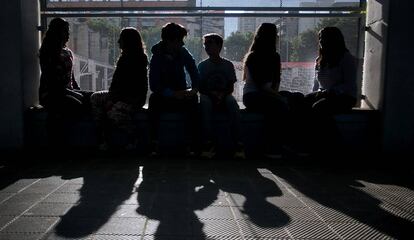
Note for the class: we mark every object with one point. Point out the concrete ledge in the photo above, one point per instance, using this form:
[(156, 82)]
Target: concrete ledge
[(358, 130)]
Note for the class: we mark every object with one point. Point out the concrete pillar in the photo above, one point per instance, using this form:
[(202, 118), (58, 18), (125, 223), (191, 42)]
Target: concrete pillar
[(19, 75), (398, 107), (375, 53)]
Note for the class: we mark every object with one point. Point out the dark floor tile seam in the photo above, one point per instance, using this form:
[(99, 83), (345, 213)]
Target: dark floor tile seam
[(216, 219), (15, 193), (390, 197), (229, 199), (398, 207), (22, 233), (21, 214), (311, 209), (117, 234)]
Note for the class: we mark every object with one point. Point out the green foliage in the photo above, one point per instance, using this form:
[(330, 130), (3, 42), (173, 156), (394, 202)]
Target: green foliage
[(237, 45), (110, 29), (194, 45), (348, 27), (150, 37), (104, 26), (305, 47)]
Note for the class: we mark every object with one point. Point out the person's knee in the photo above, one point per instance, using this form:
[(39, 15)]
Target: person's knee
[(205, 101), (98, 98), (231, 103)]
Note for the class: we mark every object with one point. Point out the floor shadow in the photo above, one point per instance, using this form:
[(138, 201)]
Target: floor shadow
[(169, 194), (353, 194), (253, 188), (104, 189)]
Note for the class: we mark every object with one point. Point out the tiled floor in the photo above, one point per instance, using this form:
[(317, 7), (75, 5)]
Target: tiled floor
[(135, 198)]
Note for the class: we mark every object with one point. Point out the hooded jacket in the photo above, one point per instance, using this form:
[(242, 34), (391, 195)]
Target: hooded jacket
[(166, 73)]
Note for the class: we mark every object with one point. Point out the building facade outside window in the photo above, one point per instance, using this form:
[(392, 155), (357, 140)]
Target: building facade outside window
[(95, 26)]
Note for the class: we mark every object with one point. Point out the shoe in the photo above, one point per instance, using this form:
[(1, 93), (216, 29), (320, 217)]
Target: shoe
[(239, 151), (274, 152), (273, 155), (296, 151), (208, 150), (130, 147), (154, 149), (103, 147)]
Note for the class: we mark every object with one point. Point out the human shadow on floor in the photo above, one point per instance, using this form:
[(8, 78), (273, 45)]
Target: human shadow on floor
[(169, 194), (346, 196), (248, 190), (104, 189)]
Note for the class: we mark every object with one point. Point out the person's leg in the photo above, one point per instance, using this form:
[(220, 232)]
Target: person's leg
[(86, 99), (155, 106), (324, 110), (98, 103), (206, 109), (121, 115), (277, 114), (233, 109), (274, 109), (192, 110)]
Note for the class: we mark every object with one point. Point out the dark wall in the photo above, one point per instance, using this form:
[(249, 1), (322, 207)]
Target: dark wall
[(398, 97), (11, 107), (19, 73)]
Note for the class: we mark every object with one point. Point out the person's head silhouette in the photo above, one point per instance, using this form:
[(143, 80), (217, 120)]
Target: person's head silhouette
[(331, 46), (56, 37), (172, 34), (130, 40), (265, 38)]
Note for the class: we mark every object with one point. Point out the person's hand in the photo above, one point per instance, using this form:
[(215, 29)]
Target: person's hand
[(192, 93), (109, 105), (322, 94), (180, 94), (217, 97)]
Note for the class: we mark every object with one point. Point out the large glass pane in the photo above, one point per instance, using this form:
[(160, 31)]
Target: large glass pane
[(118, 3), (199, 3), (94, 43), (278, 3)]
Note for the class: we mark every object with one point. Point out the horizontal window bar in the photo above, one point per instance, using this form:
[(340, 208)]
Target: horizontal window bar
[(94, 8), (199, 14)]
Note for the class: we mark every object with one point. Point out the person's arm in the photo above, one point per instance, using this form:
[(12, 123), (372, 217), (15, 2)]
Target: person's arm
[(232, 80), (74, 83), (155, 77), (348, 70), (276, 78), (203, 83), (258, 75), (52, 75), (192, 70)]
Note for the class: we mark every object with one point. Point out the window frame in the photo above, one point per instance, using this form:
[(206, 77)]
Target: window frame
[(179, 11)]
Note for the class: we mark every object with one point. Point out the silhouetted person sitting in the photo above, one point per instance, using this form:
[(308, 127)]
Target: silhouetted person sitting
[(217, 78), (262, 69), (335, 77), (59, 93), (335, 88), (167, 78), (128, 90)]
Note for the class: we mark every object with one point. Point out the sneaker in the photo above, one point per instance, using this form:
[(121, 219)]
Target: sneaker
[(208, 150), (154, 149), (130, 147), (273, 155), (239, 151), (103, 147), (275, 152), (296, 151)]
